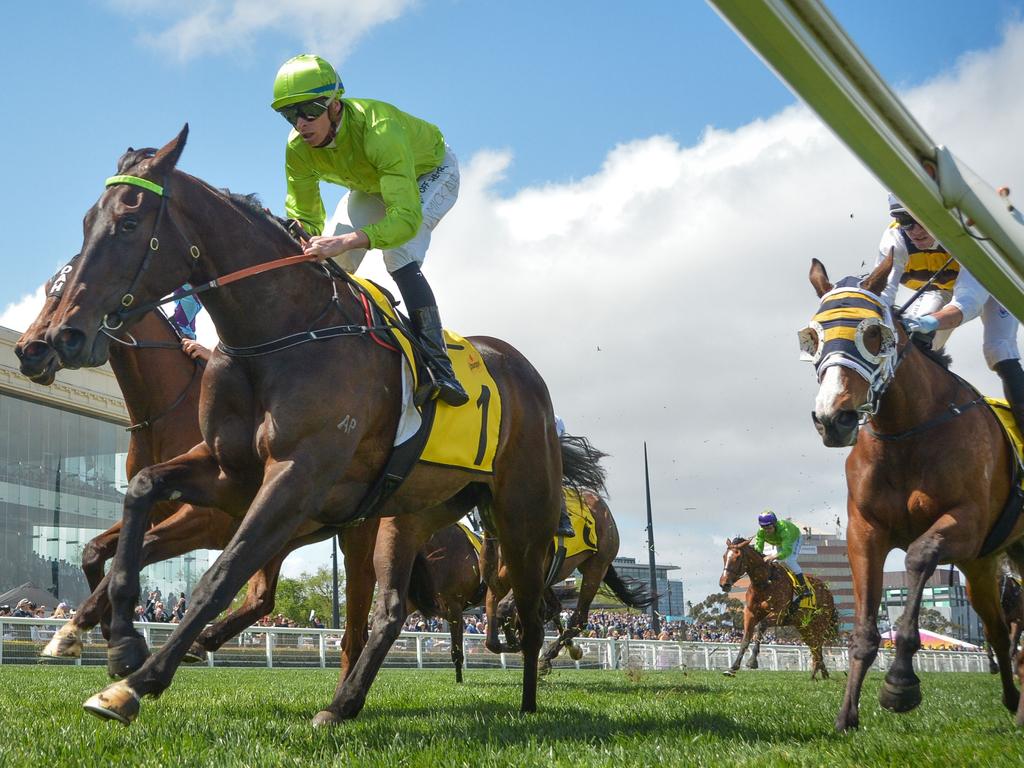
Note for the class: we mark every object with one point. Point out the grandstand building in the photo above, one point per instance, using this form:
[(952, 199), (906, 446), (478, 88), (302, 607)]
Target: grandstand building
[(62, 479), (944, 592)]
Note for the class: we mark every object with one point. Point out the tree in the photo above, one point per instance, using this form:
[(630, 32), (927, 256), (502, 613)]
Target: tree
[(295, 598), (933, 621), (719, 610)]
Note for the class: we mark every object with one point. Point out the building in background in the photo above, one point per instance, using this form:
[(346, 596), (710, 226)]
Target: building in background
[(62, 480), (944, 592)]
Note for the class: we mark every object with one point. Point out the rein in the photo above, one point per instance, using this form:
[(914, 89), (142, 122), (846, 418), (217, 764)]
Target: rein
[(145, 424)]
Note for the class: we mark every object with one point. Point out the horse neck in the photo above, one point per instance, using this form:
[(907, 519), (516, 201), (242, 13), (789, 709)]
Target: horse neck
[(919, 391), (151, 381), (757, 569), (255, 309)]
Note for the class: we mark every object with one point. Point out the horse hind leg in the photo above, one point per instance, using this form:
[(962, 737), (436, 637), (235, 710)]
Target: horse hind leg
[(755, 647)]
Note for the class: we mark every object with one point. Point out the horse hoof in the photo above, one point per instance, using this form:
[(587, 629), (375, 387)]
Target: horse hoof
[(115, 702), (65, 644), (126, 657), (543, 668), (326, 717), (899, 698), (729, 673), (752, 665), (844, 723), (195, 655), (575, 652)]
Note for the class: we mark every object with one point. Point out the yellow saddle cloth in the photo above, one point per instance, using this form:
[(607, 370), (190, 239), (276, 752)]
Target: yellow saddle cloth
[(583, 524), (475, 540), (465, 436), (1002, 411), (806, 602)]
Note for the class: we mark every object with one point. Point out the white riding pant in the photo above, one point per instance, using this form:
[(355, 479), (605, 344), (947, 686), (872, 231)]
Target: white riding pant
[(790, 562), (439, 189), (1000, 327)]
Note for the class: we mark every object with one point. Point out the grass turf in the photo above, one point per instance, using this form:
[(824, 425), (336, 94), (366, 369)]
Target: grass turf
[(258, 717)]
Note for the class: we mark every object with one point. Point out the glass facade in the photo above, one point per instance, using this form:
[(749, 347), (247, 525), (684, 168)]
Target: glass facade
[(62, 481)]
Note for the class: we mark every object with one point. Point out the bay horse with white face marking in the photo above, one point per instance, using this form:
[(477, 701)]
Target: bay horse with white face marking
[(769, 599), (273, 454), (930, 474)]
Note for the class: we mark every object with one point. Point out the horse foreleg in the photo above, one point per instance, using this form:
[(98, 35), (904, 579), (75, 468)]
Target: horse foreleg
[(284, 499), (867, 548), (455, 629), (97, 552), (749, 625), (397, 544)]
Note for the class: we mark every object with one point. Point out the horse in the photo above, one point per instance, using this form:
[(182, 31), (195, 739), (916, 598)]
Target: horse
[(769, 598), (930, 474), (160, 385), (450, 581), (1011, 598), (595, 568), (298, 411)]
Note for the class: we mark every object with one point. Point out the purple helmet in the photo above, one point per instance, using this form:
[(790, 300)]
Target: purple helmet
[(767, 518)]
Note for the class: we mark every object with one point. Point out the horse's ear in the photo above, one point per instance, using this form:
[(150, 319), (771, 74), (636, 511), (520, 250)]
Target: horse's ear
[(819, 278), (875, 282), (167, 156)]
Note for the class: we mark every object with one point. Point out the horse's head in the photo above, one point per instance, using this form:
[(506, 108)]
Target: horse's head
[(39, 361), (852, 341), (737, 551), (133, 251)]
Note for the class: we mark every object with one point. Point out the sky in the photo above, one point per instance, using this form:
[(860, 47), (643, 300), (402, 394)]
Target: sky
[(640, 201)]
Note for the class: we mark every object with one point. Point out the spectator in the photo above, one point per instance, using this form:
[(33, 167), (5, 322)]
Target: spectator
[(179, 607), (23, 610)]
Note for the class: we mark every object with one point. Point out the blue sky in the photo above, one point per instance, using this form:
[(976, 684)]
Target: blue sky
[(609, 158)]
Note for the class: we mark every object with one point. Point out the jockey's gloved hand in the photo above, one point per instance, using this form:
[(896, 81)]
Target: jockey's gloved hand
[(923, 324)]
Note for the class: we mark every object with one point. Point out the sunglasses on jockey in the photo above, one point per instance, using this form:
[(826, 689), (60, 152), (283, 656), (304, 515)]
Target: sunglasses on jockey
[(307, 110), (905, 220)]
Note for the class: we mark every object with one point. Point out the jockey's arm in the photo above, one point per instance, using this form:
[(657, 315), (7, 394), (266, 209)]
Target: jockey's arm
[(303, 201), (891, 240), (391, 154), (759, 541)]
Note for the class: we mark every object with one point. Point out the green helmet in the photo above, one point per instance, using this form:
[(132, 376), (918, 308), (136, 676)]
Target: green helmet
[(303, 78)]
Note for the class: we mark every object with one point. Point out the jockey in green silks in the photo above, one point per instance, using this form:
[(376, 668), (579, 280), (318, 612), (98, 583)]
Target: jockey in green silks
[(787, 540), (402, 179)]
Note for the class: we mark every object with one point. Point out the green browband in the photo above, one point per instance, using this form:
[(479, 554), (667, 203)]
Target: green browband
[(138, 182)]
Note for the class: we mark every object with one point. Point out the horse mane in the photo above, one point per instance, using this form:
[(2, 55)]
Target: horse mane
[(938, 356), (252, 204), (581, 465), (738, 540)]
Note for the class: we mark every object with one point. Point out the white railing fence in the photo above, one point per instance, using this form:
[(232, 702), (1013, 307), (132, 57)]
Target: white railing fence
[(21, 640)]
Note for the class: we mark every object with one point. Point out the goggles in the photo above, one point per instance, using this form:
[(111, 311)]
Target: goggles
[(905, 220), (307, 110)]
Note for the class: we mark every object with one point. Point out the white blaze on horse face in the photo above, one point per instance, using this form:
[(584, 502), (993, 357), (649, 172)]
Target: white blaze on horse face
[(832, 393)]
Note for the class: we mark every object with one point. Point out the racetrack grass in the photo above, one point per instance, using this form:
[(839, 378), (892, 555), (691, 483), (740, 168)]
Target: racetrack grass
[(259, 717)]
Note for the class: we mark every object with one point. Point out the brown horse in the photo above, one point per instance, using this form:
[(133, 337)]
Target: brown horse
[(1011, 598), (595, 567), (448, 582), (769, 600), (295, 433), (160, 385), (930, 474)]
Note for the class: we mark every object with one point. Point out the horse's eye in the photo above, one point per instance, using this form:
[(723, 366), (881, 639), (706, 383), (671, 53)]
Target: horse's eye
[(129, 225)]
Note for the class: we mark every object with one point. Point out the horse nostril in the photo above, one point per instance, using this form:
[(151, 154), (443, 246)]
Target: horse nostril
[(69, 343), (847, 420)]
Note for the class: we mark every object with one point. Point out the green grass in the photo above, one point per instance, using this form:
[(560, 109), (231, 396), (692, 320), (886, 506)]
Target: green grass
[(259, 717)]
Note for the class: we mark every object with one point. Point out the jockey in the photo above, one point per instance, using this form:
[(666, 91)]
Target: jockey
[(787, 540), (184, 317), (953, 299), (402, 176)]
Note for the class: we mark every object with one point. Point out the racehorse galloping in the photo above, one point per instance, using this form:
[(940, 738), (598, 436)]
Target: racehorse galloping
[(929, 474), (595, 567), (291, 437), (769, 598), (160, 385)]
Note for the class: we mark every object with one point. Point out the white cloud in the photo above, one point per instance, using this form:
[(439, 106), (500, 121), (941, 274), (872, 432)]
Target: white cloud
[(20, 314), (328, 27)]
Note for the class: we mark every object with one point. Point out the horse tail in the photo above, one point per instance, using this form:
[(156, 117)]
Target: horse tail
[(581, 465), (630, 591), (421, 588)]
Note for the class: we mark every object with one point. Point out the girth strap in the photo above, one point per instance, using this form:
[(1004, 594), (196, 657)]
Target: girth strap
[(1010, 514)]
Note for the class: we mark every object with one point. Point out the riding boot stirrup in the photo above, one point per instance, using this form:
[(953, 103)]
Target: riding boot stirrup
[(426, 322)]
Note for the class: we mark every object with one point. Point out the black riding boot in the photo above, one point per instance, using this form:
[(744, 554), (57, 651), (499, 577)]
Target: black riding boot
[(804, 590), (426, 322), (564, 523), (1013, 387)]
